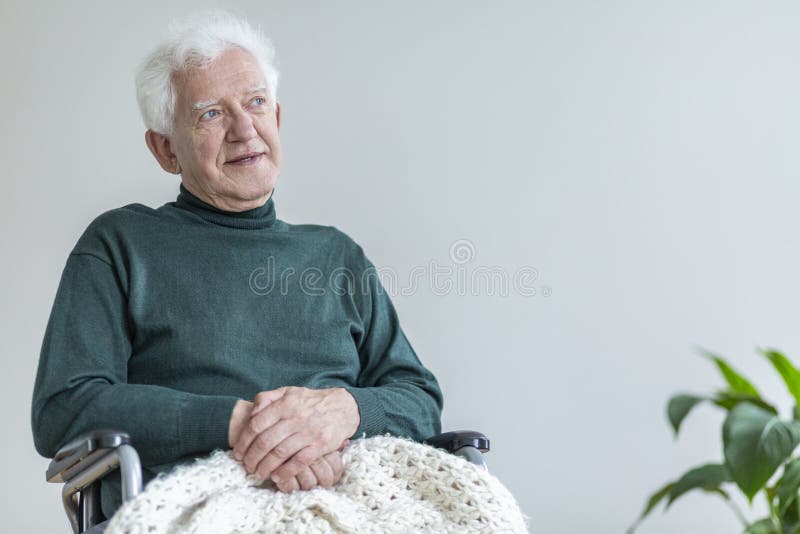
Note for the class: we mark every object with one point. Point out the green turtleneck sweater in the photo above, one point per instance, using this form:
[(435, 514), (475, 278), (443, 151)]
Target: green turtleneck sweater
[(165, 317)]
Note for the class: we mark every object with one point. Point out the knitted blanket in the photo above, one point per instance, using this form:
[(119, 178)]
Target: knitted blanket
[(389, 485)]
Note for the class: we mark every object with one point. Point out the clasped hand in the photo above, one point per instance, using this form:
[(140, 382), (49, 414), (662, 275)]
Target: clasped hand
[(293, 435)]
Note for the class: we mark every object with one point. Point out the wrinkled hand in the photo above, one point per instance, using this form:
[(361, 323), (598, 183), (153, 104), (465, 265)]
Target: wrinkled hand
[(290, 429), (324, 472)]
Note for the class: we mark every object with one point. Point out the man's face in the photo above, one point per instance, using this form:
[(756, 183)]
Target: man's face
[(226, 132)]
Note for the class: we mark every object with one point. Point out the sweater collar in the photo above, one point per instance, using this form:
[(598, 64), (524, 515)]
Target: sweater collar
[(252, 219)]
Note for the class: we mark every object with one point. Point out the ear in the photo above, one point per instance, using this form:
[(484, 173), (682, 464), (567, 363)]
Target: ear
[(161, 148), (278, 113)]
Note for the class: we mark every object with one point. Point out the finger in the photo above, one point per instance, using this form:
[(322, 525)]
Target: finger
[(264, 398), (257, 424), (267, 440), (323, 472), (239, 417), (334, 460), (285, 452), (307, 479), (289, 486), (298, 462)]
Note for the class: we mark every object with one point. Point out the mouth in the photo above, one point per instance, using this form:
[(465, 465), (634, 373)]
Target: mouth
[(246, 159)]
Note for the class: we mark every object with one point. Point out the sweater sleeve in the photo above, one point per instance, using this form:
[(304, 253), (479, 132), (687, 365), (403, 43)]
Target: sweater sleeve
[(395, 393), (81, 383)]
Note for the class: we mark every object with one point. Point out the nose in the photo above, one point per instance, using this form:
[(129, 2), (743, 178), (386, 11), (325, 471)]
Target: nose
[(241, 127)]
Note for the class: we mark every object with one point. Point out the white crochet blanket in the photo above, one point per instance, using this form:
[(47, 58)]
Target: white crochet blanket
[(389, 485)]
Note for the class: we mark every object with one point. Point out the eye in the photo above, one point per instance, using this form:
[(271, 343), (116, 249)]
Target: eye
[(259, 101), (210, 114)]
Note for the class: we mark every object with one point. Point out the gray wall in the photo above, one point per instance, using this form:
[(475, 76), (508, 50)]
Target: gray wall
[(642, 156)]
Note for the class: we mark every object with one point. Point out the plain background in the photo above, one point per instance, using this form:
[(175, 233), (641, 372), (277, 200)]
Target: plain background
[(642, 156)]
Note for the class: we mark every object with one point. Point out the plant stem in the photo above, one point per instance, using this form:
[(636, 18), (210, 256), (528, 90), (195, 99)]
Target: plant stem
[(738, 512), (773, 514)]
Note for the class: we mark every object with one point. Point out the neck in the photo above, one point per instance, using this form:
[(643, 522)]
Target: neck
[(227, 204), (261, 216)]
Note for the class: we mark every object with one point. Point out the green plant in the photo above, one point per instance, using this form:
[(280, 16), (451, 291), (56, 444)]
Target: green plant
[(756, 442)]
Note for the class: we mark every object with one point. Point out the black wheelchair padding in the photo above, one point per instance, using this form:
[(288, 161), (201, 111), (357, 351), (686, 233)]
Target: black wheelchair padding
[(81, 447), (452, 441)]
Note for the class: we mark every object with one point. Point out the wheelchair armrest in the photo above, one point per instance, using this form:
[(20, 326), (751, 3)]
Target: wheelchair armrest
[(453, 441), (82, 451), (81, 463)]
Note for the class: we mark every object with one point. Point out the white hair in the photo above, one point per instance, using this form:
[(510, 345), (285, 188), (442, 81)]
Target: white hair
[(194, 42)]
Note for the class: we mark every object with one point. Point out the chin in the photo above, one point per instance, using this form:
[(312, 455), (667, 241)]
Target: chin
[(255, 191)]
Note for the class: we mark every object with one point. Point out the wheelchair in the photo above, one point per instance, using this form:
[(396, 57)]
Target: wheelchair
[(83, 462)]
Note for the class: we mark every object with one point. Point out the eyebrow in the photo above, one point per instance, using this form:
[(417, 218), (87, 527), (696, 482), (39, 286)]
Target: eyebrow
[(206, 103)]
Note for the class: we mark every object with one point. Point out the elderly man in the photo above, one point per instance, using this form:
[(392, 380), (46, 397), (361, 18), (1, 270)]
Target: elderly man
[(197, 326)]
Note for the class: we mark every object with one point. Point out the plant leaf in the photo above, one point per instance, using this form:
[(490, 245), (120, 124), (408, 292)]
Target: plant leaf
[(788, 485), (762, 526), (789, 520), (789, 373), (681, 404), (679, 407), (735, 380), (708, 477), (755, 442), (654, 499), (729, 399)]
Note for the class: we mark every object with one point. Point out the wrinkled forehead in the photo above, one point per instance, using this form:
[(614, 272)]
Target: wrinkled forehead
[(234, 73)]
